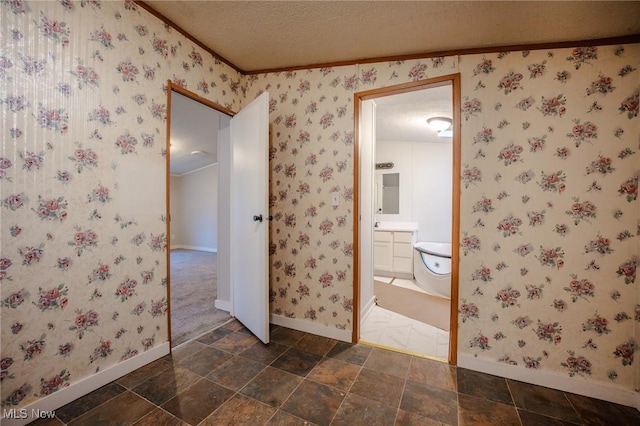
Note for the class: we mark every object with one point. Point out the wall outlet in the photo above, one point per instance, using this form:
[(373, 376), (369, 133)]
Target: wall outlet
[(335, 198)]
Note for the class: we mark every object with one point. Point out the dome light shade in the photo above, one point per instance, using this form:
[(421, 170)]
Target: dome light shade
[(439, 123)]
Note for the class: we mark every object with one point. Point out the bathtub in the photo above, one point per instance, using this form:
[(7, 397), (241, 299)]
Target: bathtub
[(432, 268)]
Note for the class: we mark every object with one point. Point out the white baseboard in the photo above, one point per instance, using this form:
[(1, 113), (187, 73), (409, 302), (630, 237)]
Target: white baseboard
[(185, 247), (223, 305), (89, 384), (311, 327), (598, 390), (367, 309)]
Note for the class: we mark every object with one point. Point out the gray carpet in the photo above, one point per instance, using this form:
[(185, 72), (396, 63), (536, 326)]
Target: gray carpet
[(194, 289)]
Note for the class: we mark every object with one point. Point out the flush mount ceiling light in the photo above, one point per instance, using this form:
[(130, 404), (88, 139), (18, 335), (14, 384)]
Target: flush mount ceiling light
[(198, 152), (439, 123)]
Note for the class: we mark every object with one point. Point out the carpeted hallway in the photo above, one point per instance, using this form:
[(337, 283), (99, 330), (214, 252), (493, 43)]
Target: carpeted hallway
[(194, 289)]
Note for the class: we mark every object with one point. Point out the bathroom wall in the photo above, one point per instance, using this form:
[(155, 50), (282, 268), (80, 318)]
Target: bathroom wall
[(196, 210), (82, 178), (425, 185)]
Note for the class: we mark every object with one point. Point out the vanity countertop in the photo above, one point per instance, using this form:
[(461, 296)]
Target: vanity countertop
[(397, 226)]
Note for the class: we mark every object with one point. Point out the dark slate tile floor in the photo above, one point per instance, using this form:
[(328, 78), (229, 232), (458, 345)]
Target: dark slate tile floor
[(228, 377)]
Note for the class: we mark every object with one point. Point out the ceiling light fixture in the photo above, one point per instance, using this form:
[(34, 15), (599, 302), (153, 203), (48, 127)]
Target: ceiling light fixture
[(439, 123), (197, 152)]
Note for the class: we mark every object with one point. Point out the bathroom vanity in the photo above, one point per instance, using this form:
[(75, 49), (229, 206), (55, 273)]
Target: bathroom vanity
[(393, 249)]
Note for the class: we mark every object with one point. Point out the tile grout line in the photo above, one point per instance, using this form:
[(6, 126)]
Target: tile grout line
[(238, 392), (99, 405), (199, 375), (404, 387), (575, 410), (346, 393), (515, 406)]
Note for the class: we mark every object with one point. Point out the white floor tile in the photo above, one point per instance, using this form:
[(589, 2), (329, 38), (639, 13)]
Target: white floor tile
[(384, 327), (422, 347), (442, 351), (394, 340)]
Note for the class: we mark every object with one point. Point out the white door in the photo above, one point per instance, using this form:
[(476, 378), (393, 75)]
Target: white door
[(249, 216)]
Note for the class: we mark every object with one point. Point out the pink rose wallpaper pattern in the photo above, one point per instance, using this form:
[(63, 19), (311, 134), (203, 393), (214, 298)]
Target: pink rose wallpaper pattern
[(83, 103), (550, 216), (549, 210), (311, 157)]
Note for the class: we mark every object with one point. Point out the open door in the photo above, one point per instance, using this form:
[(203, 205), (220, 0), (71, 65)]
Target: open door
[(250, 216)]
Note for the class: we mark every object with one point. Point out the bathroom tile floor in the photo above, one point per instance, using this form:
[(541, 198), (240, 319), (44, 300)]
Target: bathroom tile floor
[(389, 329), (228, 377)]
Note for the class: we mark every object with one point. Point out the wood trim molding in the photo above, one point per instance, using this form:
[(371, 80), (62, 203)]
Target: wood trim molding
[(633, 38), (455, 81), (455, 220), (198, 98), (168, 205), (355, 322), (185, 33)]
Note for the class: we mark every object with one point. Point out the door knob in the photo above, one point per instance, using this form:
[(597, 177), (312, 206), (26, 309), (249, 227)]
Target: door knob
[(257, 218)]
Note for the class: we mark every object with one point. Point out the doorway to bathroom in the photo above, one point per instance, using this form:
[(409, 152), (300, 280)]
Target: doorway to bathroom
[(408, 189)]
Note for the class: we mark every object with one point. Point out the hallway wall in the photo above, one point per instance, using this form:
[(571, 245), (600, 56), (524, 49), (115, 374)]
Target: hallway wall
[(195, 210), (83, 264), (549, 209)]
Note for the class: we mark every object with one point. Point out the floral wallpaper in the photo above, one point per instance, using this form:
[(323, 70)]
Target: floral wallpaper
[(310, 248), (82, 263), (549, 209), (311, 157)]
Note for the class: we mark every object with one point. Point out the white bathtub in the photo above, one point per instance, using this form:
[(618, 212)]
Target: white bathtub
[(432, 268)]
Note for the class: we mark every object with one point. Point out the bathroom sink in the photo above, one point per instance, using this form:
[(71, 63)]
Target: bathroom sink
[(397, 226)]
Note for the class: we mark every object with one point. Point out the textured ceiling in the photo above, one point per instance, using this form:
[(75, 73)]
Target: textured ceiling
[(259, 35), (194, 127), (403, 117)]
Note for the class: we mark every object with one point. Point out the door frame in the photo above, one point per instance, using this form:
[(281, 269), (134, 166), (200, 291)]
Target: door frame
[(194, 96), (358, 98)]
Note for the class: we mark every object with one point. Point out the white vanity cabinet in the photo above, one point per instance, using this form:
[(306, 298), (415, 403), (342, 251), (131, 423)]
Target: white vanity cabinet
[(393, 253), (403, 254), (382, 252)]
